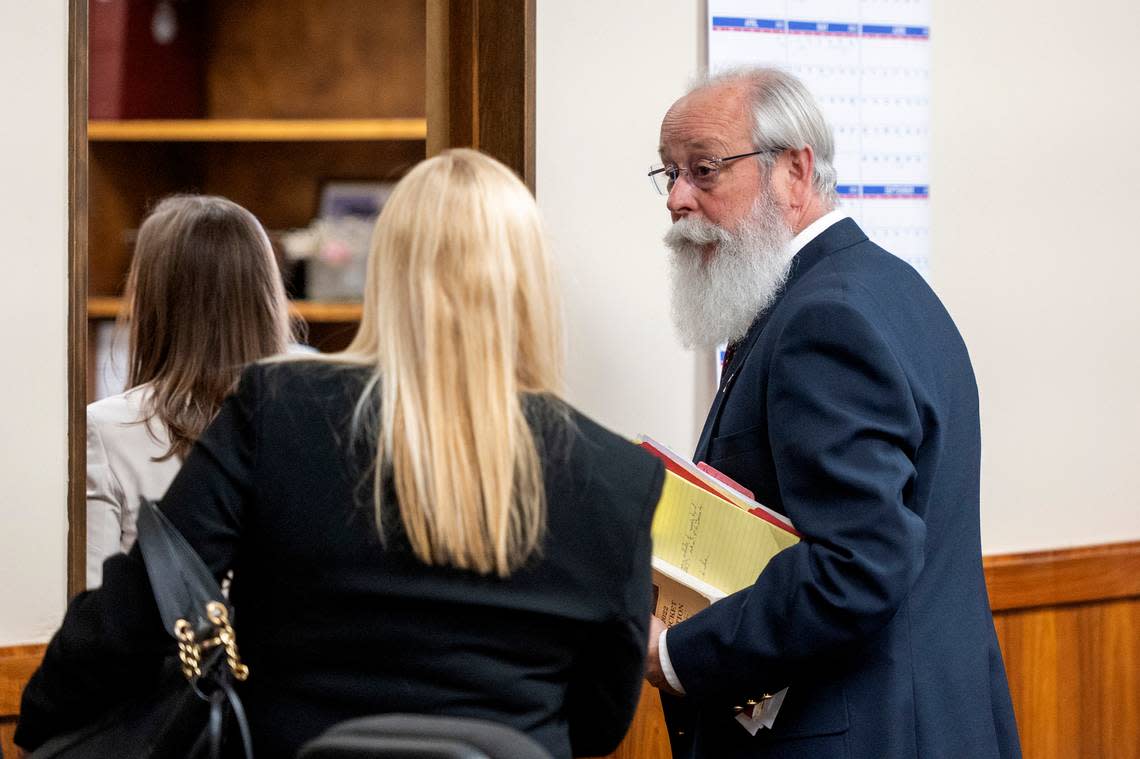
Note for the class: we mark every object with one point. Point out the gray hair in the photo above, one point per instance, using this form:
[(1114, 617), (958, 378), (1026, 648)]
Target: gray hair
[(785, 115)]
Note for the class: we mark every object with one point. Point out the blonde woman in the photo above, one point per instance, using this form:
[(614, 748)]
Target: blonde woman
[(205, 298), (419, 524)]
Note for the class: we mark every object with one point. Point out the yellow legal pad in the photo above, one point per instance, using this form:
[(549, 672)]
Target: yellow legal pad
[(711, 539)]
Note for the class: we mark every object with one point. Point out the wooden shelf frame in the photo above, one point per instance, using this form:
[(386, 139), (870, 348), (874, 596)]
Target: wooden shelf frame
[(312, 311), (257, 130)]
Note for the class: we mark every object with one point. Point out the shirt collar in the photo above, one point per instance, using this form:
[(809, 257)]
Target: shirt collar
[(815, 229)]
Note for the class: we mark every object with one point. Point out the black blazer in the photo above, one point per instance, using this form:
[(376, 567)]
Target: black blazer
[(333, 624), (851, 407)]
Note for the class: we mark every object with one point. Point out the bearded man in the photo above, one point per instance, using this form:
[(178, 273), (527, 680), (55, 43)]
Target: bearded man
[(848, 403)]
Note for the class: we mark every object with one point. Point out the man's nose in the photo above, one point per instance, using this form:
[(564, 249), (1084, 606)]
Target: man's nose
[(682, 199)]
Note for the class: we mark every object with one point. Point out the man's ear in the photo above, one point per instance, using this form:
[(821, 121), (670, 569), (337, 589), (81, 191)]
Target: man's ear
[(801, 168)]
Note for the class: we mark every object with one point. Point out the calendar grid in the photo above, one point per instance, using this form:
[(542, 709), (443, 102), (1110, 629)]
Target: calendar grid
[(868, 64)]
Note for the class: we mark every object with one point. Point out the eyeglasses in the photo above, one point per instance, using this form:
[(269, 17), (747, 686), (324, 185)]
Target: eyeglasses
[(701, 172)]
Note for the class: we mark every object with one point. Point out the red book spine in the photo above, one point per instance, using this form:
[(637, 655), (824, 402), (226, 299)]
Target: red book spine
[(688, 476), (135, 75), (107, 33)]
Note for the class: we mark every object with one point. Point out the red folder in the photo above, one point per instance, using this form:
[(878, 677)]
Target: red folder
[(708, 478)]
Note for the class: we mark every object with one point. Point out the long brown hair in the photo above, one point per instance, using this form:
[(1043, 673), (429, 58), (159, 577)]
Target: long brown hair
[(205, 298), (461, 318)]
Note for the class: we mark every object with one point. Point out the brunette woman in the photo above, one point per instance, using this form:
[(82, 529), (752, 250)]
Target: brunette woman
[(204, 298)]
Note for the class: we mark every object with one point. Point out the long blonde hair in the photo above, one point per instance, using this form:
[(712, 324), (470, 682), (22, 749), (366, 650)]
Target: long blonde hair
[(460, 320), (204, 298)]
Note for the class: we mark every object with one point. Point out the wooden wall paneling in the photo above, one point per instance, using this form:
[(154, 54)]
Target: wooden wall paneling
[(1069, 626), (315, 59), (1030, 643), (1074, 676), (648, 738), (481, 86), (1118, 694), (16, 665)]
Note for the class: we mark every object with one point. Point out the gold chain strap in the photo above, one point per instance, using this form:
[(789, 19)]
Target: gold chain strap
[(189, 652), (190, 649), (218, 614)]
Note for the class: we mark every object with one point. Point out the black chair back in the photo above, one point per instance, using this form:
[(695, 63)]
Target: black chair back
[(416, 736)]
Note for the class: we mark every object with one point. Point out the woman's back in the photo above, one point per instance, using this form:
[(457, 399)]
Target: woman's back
[(334, 623)]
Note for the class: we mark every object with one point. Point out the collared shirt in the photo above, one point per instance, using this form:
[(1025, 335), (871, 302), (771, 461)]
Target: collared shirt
[(816, 228), (809, 233)]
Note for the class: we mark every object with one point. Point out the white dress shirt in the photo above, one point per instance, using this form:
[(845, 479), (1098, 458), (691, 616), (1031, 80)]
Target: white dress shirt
[(121, 469)]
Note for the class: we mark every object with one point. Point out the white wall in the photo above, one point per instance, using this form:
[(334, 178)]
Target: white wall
[(1035, 169), (1036, 163), (606, 73), (33, 319)]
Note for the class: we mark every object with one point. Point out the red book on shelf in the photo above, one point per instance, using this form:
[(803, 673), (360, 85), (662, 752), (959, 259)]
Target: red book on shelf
[(145, 59)]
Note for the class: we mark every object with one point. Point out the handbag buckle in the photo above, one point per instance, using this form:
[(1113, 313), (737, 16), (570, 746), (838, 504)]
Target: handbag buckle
[(190, 649)]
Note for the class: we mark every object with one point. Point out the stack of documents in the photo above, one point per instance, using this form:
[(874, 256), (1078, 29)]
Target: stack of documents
[(710, 537)]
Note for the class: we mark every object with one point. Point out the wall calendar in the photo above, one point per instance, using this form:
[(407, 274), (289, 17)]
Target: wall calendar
[(868, 64)]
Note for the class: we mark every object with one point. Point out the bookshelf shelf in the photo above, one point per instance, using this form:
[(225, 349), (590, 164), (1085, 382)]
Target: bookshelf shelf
[(327, 312), (313, 312), (257, 130), (103, 307)]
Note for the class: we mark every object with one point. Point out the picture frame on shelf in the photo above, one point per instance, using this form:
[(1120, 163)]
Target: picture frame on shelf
[(340, 198)]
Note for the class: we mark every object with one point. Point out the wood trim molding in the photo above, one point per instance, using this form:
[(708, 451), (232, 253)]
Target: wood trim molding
[(77, 299), (481, 79), (1065, 576)]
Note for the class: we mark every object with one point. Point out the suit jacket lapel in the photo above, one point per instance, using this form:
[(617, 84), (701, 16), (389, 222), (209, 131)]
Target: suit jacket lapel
[(842, 234)]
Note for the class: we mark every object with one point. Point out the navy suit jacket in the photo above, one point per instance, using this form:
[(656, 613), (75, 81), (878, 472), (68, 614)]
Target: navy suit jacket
[(851, 407)]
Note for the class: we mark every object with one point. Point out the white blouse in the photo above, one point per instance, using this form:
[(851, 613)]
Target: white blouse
[(121, 449)]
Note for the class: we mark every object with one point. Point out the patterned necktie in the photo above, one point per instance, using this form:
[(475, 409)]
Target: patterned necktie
[(729, 352)]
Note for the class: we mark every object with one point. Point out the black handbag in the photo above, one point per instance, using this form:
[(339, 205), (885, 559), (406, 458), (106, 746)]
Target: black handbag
[(194, 708)]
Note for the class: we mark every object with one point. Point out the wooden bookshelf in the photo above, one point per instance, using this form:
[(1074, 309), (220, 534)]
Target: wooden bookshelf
[(294, 96), (102, 308), (257, 130)]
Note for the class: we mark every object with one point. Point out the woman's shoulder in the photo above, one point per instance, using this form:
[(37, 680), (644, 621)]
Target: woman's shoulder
[(600, 438), (123, 425), (124, 408), (302, 373), (596, 455)]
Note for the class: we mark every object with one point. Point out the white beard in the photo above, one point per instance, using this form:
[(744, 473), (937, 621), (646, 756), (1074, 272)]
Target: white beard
[(716, 301)]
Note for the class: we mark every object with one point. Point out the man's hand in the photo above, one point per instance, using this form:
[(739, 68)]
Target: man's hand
[(653, 672)]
